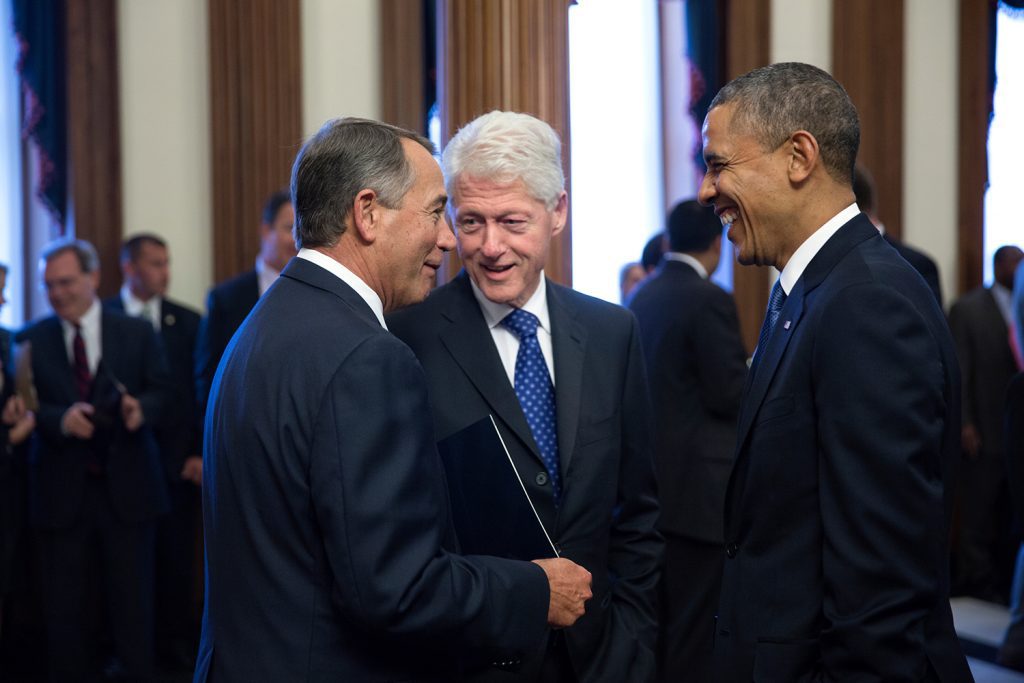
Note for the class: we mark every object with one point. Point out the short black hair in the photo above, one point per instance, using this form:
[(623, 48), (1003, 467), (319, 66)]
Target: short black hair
[(1007, 251), (692, 227), (274, 203), (653, 251), (131, 247)]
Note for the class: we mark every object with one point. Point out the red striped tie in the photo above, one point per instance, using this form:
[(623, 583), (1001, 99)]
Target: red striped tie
[(83, 378)]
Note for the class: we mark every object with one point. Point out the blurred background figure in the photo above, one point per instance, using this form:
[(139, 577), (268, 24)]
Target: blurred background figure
[(980, 321), (652, 253), (629, 277)]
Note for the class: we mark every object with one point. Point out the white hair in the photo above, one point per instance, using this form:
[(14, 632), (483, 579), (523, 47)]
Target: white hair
[(503, 147)]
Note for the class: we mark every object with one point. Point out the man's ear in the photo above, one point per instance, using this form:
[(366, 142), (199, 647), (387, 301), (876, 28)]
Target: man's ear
[(366, 215), (561, 212), (804, 156)]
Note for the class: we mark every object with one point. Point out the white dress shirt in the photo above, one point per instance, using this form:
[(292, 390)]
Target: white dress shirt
[(688, 260), (505, 341), (137, 308), (349, 278), (265, 275), (1004, 301), (812, 245), (91, 335)]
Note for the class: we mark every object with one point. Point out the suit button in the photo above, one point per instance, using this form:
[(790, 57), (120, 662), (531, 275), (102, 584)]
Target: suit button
[(731, 550), (541, 478)]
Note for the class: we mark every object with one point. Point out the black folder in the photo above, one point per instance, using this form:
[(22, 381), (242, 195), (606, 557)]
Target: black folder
[(492, 511)]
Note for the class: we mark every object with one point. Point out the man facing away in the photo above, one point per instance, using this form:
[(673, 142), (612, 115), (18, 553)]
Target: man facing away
[(563, 376), (228, 303), (838, 507), (145, 266), (327, 523), (696, 366)]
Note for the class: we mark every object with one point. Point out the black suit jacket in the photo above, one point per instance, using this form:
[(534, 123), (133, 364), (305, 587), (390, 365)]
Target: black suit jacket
[(986, 362), (922, 263), (130, 355), (227, 305), (179, 431), (838, 507), (326, 513), (1014, 429), (6, 387), (696, 366), (606, 521)]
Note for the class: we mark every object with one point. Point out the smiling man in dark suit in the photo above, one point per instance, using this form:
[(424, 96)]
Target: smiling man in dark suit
[(328, 539), (838, 507), (696, 366), (96, 484), (563, 376), (145, 265)]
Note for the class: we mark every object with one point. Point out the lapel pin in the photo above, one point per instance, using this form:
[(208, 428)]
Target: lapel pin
[(169, 319), (786, 324)]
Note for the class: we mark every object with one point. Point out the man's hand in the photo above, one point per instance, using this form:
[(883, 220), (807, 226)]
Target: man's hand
[(570, 589), (77, 421), (22, 428), (13, 411), (971, 441), (131, 412), (193, 470)]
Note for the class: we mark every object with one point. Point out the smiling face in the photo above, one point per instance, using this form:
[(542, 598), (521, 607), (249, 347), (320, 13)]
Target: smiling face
[(69, 289), (277, 244), (747, 186), (504, 236), (149, 273), (416, 234)]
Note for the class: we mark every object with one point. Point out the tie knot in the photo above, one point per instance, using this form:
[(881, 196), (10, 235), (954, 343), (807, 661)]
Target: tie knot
[(521, 323)]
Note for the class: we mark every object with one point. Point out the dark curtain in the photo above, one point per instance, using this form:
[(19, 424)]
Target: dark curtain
[(704, 46), (39, 27)]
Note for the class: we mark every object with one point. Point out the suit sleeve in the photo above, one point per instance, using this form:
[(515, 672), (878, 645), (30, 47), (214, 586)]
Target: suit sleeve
[(720, 359), (155, 392), (635, 546), (380, 500), (883, 406)]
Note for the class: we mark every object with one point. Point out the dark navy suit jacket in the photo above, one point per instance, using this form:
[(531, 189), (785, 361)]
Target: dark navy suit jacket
[(326, 512), (608, 514), (130, 355), (838, 508)]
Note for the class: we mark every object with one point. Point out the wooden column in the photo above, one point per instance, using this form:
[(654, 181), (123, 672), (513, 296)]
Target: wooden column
[(256, 118), (975, 101), (94, 132), (867, 58), (403, 64), (511, 55), (748, 47)]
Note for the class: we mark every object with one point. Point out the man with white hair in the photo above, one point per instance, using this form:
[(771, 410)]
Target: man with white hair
[(563, 376)]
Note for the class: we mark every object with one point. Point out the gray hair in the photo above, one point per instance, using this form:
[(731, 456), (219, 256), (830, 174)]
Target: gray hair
[(775, 101), (503, 147), (86, 254), (345, 157)]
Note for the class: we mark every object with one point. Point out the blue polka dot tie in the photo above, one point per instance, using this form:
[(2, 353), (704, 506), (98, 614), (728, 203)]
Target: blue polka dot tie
[(775, 303), (535, 391)]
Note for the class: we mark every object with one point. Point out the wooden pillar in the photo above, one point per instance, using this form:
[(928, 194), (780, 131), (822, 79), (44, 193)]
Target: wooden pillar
[(511, 55), (256, 118), (403, 64), (747, 34), (975, 102), (867, 58), (94, 132)]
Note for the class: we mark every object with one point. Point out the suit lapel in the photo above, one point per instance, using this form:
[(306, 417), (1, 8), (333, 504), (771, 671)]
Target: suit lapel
[(55, 349), (568, 341), (469, 342)]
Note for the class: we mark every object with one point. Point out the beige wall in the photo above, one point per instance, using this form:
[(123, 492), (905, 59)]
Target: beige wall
[(165, 114)]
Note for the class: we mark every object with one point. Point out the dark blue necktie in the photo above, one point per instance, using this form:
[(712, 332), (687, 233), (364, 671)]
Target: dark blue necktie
[(775, 303), (535, 391)]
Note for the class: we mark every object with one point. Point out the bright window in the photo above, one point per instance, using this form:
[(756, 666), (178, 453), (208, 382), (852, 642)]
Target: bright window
[(12, 315), (1003, 223)]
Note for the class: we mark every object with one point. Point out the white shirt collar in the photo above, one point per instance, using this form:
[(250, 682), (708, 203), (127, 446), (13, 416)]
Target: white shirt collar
[(265, 275), (1004, 301), (136, 307), (364, 290), (812, 245), (537, 304), (689, 260)]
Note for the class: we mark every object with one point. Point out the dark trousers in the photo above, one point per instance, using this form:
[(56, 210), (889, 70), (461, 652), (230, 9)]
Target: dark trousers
[(177, 573), (983, 552), (690, 583), (99, 564)]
